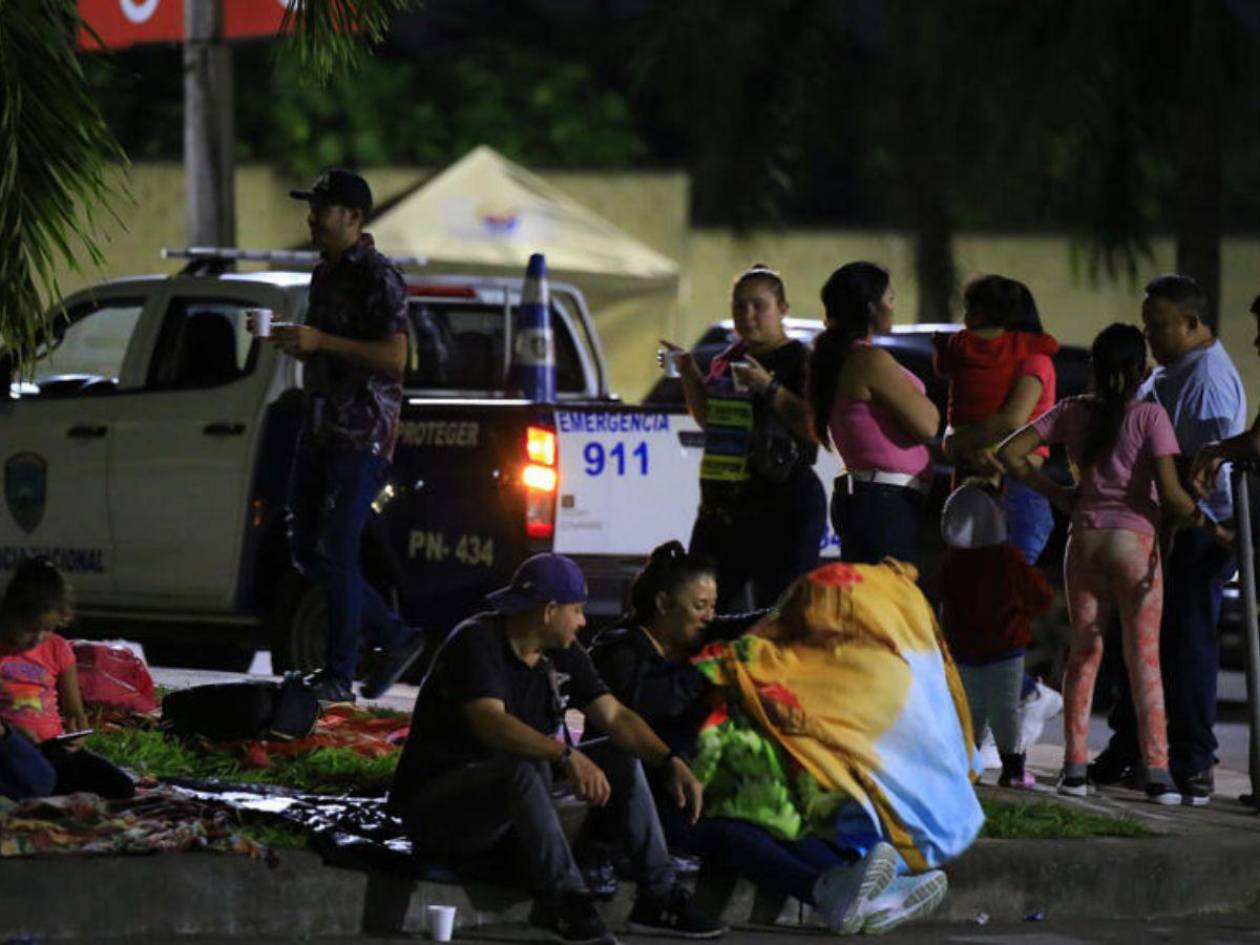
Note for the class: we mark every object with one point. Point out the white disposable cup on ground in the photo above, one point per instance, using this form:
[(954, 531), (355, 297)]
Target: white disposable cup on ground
[(669, 361), (441, 922), (261, 321), (737, 375)]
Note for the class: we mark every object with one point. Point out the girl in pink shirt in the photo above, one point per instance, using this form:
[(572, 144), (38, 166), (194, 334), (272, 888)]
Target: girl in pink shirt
[(1123, 454), (39, 682)]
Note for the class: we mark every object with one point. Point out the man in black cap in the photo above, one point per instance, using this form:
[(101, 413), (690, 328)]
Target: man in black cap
[(354, 349), (479, 759)]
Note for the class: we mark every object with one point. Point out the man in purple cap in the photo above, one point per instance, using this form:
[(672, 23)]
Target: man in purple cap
[(353, 346), (480, 757)]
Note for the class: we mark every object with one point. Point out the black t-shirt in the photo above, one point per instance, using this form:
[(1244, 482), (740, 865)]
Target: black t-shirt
[(776, 455), (477, 662)]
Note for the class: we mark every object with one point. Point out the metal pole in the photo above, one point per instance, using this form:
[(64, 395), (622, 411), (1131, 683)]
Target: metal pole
[(1247, 582), (209, 127)]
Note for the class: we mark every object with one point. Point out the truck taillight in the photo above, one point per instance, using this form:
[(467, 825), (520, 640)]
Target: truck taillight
[(540, 479)]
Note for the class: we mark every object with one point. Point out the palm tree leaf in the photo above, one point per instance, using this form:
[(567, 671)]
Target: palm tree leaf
[(331, 38)]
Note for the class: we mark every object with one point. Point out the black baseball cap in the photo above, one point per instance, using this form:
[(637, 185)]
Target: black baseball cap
[(340, 187)]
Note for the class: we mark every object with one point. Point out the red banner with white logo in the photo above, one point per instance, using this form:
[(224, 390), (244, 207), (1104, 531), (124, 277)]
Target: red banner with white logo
[(123, 23)]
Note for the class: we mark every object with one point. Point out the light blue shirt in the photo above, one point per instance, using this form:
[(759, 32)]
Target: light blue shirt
[(1204, 396)]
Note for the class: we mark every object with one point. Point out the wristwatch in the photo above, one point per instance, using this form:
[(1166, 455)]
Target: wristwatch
[(772, 387), (567, 755)]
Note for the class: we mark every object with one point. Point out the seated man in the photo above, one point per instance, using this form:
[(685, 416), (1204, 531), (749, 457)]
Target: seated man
[(478, 761)]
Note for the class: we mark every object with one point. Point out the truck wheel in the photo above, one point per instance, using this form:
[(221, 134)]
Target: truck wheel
[(299, 626), (226, 658)]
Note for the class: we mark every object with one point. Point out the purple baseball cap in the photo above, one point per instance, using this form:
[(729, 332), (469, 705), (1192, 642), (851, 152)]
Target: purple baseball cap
[(540, 580)]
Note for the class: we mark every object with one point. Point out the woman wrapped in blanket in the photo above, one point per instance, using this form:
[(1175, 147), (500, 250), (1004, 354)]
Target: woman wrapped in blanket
[(754, 826)]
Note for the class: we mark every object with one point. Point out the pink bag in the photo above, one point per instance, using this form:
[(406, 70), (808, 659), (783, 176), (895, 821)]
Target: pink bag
[(110, 674)]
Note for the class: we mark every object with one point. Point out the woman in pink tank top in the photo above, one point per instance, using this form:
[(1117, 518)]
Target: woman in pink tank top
[(878, 416)]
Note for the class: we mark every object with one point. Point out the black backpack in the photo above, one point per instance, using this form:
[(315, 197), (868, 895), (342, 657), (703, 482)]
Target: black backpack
[(249, 709)]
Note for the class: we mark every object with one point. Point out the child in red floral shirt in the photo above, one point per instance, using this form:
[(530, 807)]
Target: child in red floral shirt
[(39, 682)]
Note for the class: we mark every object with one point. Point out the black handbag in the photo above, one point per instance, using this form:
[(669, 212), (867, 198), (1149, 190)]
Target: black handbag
[(249, 709)]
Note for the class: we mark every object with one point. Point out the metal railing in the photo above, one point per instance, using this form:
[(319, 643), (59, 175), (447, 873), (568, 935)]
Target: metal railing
[(1247, 585)]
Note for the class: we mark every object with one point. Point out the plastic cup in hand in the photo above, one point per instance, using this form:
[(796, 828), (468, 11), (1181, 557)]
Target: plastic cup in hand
[(260, 321), (669, 358), (738, 378), (441, 922)]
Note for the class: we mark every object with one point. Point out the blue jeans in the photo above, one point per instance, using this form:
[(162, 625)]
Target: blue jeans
[(24, 771), (1029, 520), (784, 866), (1189, 653), (330, 497), (876, 521)]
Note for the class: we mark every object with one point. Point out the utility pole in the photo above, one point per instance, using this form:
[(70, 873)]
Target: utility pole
[(209, 127)]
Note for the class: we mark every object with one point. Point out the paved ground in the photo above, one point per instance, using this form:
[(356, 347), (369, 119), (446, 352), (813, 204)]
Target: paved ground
[(1242, 929)]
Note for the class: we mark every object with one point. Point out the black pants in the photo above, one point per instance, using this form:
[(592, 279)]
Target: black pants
[(469, 810), (877, 521), (1189, 656), (84, 771), (767, 541)]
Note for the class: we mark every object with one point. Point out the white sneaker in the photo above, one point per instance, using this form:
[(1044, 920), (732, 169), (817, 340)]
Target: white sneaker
[(843, 893), (989, 756), (1035, 710), (907, 898)]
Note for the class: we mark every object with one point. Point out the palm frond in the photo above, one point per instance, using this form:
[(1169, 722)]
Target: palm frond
[(56, 159), (331, 38)]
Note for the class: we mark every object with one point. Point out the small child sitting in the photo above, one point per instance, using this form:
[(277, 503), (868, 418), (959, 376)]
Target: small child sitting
[(989, 595), (39, 683)]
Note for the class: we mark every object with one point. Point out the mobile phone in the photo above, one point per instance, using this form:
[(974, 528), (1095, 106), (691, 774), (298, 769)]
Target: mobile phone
[(71, 736)]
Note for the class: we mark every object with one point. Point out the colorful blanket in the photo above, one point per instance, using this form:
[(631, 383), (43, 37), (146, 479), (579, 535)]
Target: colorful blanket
[(845, 706), (158, 819)]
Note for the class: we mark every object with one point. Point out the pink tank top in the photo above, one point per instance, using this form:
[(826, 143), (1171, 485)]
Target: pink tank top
[(868, 435)]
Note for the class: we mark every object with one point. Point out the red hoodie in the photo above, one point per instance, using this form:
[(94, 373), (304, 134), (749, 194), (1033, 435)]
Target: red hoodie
[(989, 597), (982, 371)]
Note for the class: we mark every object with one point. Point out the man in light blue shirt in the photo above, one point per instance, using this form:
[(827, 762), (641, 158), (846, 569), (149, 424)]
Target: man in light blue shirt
[(1197, 383)]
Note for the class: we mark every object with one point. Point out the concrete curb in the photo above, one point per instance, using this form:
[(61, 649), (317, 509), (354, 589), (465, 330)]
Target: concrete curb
[(184, 894)]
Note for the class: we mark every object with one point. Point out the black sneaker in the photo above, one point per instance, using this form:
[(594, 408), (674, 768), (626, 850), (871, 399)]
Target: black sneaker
[(673, 915), (328, 688), (388, 667), (570, 918), (1197, 789), (601, 879), (1110, 768), (1073, 786)]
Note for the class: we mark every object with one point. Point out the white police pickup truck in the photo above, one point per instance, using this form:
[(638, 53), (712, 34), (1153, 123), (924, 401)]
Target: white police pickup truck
[(148, 456)]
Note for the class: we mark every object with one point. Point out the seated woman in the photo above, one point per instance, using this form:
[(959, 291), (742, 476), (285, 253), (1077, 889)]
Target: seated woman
[(647, 664)]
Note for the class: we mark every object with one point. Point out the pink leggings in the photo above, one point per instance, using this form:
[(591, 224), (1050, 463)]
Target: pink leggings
[(1106, 569)]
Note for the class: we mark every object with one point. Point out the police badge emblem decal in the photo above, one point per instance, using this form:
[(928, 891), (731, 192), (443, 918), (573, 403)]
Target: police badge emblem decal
[(26, 489)]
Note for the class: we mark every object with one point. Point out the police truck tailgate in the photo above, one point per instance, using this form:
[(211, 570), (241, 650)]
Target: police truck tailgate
[(630, 479)]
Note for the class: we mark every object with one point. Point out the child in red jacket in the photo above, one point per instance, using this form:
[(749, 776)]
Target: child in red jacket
[(989, 596)]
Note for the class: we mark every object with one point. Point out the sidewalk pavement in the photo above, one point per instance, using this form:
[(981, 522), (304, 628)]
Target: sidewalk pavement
[(1205, 860)]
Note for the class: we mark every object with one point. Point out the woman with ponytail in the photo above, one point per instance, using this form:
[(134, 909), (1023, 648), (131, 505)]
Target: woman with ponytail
[(877, 414), (1123, 453)]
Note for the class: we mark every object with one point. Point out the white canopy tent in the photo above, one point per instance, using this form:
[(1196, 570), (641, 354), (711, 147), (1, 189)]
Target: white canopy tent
[(486, 214)]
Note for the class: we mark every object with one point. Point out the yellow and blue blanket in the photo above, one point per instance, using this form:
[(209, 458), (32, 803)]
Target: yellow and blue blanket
[(844, 710)]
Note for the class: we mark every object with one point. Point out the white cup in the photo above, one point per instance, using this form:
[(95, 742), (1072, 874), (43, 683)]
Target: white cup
[(441, 922), (669, 361), (261, 321), (738, 380)]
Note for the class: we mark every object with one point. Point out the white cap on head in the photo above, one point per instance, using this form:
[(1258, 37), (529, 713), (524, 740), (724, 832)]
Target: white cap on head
[(972, 518)]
